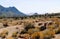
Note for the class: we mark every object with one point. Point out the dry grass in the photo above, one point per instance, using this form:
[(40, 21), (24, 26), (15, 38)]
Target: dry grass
[(19, 25)]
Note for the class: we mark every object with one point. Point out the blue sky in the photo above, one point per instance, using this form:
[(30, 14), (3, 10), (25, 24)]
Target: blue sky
[(32, 6)]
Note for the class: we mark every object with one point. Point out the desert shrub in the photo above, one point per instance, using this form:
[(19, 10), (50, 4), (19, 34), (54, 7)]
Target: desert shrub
[(50, 27), (23, 32), (29, 26), (21, 18), (5, 24), (1, 25), (33, 30), (17, 28), (10, 37), (50, 23), (37, 35), (47, 38), (42, 28), (30, 31), (37, 21), (40, 24), (14, 34), (45, 24), (16, 18), (26, 36), (4, 34), (58, 31), (34, 35), (49, 34), (36, 29), (18, 35)]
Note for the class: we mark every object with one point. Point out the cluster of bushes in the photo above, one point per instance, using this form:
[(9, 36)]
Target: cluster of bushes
[(3, 34), (43, 32), (32, 32)]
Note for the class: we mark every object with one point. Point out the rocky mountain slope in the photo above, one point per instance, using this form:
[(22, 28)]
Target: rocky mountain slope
[(10, 12)]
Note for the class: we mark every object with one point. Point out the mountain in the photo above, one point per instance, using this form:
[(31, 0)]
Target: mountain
[(10, 12), (35, 14)]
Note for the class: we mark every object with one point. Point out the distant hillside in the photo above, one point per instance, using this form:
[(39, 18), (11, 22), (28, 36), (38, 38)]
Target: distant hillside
[(45, 15), (10, 12)]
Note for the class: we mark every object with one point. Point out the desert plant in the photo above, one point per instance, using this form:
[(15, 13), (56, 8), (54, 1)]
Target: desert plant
[(23, 32), (50, 34), (58, 31), (10, 37), (29, 26), (5, 24), (37, 35), (42, 28), (30, 31), (14, 34), (4, 33)]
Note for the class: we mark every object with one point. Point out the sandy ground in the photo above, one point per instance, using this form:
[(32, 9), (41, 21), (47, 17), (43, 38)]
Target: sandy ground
[(57, 36), (12, 29)]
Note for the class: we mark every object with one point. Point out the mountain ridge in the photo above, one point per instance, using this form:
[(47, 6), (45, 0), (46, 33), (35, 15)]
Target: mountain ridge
[(10, 12)]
